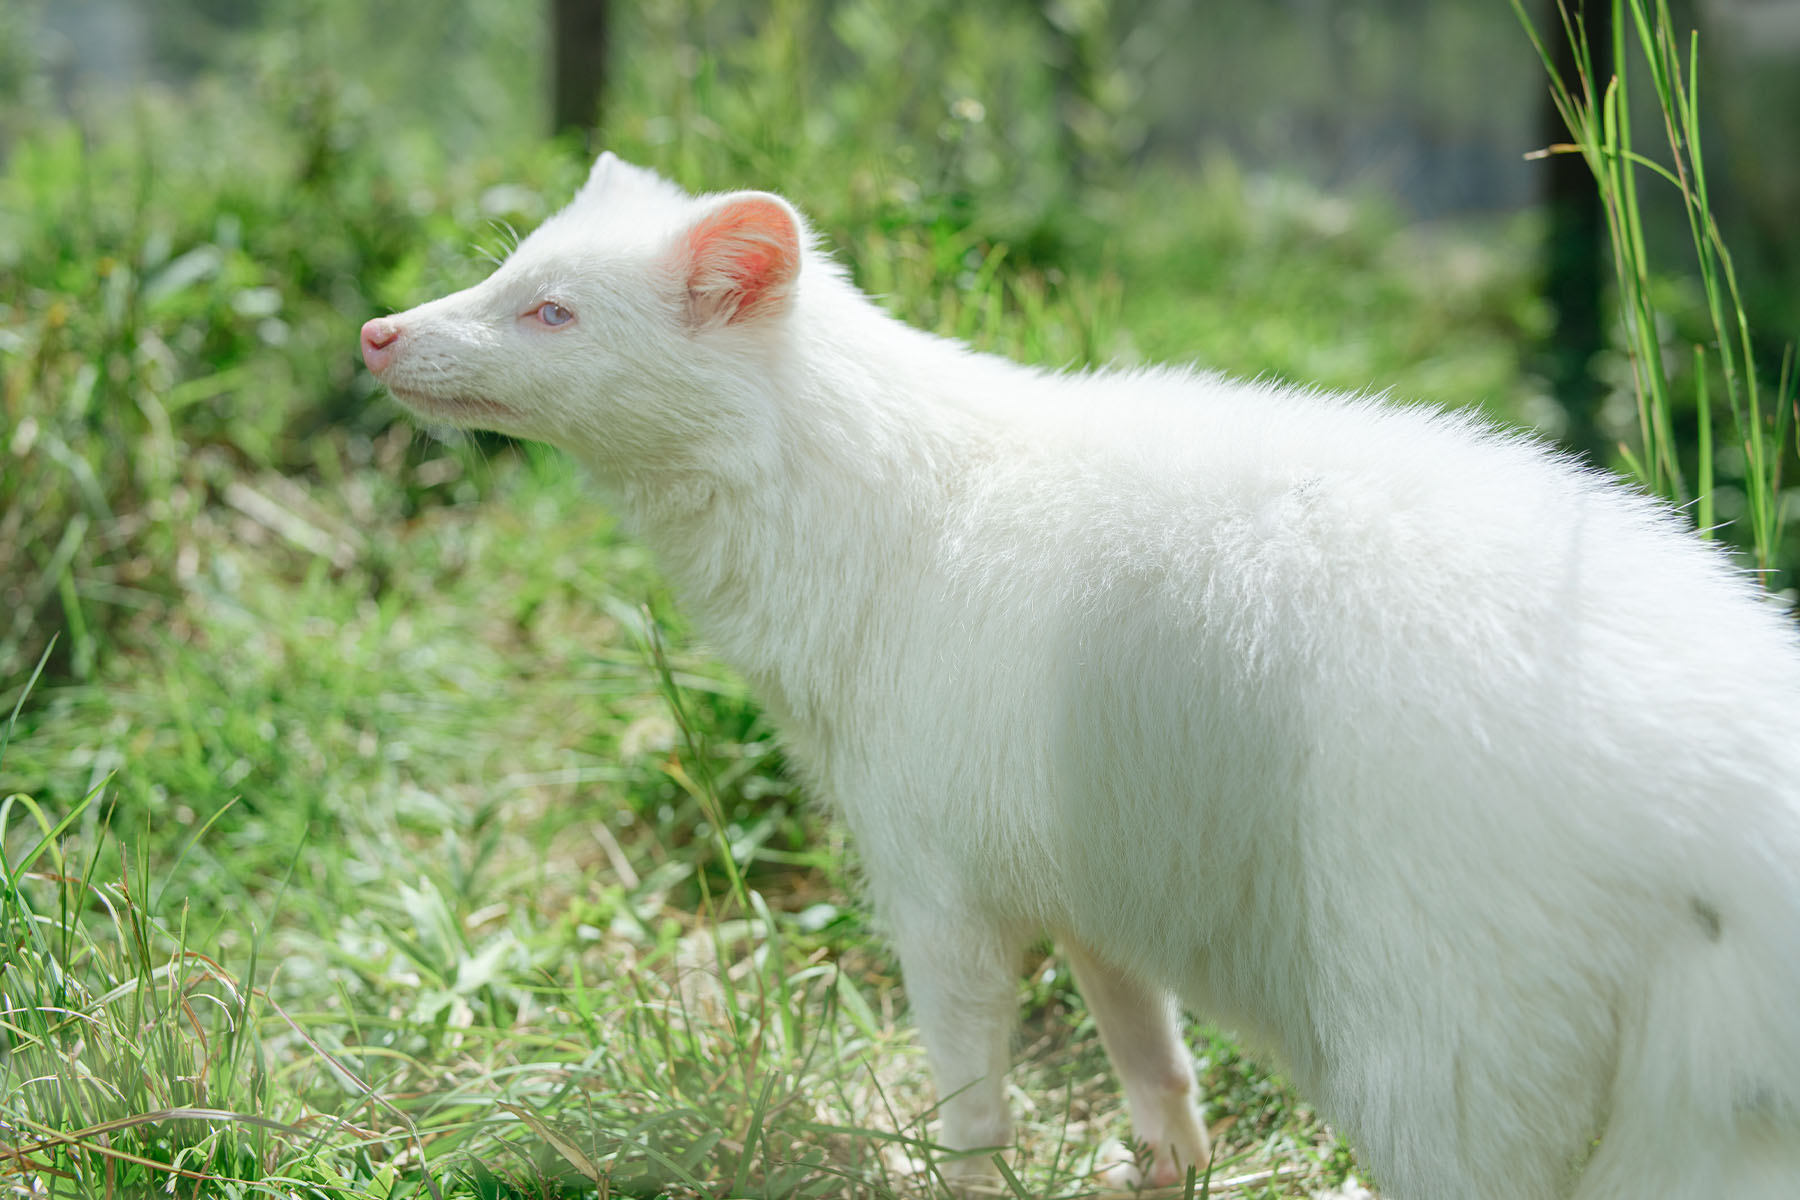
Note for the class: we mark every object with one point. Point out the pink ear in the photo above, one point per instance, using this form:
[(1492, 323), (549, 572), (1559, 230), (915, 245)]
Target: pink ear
[(741, 259)]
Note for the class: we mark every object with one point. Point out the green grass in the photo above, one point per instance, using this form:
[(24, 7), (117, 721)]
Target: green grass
[(388, 873), (1760, 412), (376, 826)]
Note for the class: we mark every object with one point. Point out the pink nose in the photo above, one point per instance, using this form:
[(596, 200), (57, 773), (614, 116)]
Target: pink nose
[(378, 338)]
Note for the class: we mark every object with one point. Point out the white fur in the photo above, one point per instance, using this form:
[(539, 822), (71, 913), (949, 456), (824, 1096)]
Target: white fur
[(1462, 778)]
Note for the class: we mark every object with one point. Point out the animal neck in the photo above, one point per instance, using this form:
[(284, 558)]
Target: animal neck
[(783, 556)]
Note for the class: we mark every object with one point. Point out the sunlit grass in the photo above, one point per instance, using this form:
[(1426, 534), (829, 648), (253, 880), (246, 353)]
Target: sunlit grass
[(461, 913)]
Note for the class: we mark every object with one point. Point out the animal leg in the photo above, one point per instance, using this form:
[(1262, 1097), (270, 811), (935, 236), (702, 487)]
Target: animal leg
[(961, 981), (1141, 1030)]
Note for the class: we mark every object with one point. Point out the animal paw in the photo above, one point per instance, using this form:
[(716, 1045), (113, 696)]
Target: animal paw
[(1118, 1168)]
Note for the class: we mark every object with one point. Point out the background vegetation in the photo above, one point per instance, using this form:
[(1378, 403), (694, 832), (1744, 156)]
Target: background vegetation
[(373, 825)]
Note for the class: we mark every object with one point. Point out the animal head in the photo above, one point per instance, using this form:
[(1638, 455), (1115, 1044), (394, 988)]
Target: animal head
[(631, 327)]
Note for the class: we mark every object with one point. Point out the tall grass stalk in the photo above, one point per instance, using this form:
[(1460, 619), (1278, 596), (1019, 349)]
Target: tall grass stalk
[(1598, 114)]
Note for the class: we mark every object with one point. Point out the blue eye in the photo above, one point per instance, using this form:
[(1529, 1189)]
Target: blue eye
[(552, 313)]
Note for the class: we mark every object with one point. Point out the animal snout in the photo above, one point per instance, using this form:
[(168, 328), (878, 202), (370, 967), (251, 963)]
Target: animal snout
[(378, 338)]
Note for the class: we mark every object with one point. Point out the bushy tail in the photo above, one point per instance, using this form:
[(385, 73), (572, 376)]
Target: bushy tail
[(1706, 1104)]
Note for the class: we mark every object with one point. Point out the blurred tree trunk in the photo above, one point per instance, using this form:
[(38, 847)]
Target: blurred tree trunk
[(1072, 76), (578, 42), (1576, 240)]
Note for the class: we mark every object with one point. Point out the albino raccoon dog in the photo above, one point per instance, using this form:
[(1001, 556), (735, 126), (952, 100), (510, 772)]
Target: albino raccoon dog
[(1459, 776)]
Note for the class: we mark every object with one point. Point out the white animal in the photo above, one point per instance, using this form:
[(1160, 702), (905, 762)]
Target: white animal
[(1461, 777)]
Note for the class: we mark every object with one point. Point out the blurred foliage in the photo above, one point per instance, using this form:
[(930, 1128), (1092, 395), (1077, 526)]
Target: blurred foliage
[(181, 275), (183, 267), (181, 320)]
